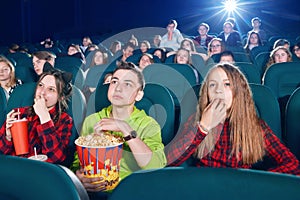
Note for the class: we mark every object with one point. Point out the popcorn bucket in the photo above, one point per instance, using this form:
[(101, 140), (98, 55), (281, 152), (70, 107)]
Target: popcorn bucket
[(101, 162)]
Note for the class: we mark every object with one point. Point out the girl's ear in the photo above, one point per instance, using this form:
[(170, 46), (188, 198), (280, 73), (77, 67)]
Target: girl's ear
[(139, 95)]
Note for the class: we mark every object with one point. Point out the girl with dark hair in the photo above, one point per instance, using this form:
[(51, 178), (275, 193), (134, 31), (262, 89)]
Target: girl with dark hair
[(49, 126)]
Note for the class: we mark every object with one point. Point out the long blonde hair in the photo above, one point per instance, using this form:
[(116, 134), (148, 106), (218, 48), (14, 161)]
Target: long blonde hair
[(246, 134)]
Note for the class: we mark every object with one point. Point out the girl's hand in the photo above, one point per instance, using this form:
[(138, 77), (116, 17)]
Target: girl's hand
[(41, 109), (214, 114), (10, 118)]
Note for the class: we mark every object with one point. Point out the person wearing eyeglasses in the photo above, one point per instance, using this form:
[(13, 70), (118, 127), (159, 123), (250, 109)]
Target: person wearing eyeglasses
[(172, 38), (216, 46)]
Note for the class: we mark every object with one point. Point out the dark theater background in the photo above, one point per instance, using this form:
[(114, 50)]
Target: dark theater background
[(34, 20)]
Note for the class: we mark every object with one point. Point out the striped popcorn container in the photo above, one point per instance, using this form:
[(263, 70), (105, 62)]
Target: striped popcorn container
[(101, 162)]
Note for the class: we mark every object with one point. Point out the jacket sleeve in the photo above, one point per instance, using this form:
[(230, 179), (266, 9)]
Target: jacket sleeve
[(286, 161)]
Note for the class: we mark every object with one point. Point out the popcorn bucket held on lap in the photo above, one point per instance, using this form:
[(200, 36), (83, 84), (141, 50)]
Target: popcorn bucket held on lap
[(100, 156)]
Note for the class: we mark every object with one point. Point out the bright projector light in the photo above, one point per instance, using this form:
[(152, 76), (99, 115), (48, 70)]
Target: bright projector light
[(230, 5)]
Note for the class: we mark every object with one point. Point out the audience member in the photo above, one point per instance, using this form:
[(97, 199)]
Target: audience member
[(47, 43), (127, 51), (156, 41), (282, 42), (75, 51), (143, 147), (183, 56), (253, 40), (115, 46), (226, 131), (227, 56), (13, 48), (86, 42), (39, 58), (256, 27), (296, 50), (172, 38), (145, 46), (145, 60), (203, 38), (216, 46), (134, 41), (49, 126), (160, 53), (8, 81), (229, 36), (279, 55)]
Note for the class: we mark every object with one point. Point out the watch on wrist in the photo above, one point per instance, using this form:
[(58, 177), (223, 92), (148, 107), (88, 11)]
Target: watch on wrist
[(130, 136)]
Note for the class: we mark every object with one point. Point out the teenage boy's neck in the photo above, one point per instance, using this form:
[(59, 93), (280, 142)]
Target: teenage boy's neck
[(122, 113)]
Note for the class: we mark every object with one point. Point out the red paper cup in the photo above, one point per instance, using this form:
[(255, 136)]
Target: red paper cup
[(19, 132), (101, 162)]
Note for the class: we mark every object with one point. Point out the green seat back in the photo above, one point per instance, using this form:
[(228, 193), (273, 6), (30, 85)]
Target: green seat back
[(250, 71), (267, 107), (292, 120), (29, 179), (207, 183)]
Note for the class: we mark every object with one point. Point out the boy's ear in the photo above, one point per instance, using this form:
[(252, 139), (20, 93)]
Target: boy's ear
[(139, 95)]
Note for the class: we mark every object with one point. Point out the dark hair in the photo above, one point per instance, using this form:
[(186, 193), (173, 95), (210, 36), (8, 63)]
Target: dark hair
[(227, 53), (280, 42), (173, 21), (64, 90), (132, 67)]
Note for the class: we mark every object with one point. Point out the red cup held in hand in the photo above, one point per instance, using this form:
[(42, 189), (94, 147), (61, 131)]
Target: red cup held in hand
[(19, 133)]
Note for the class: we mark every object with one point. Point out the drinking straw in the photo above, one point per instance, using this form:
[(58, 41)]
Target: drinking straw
[(18, 114), (35, 154)]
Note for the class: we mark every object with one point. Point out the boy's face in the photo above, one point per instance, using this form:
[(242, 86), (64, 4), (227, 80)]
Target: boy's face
[(124, 88)]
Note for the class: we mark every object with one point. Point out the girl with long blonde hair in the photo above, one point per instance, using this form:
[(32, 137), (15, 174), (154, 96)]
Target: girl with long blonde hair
[(226, 131)]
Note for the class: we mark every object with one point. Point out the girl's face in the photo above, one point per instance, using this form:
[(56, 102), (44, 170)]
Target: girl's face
[(187, 45), (253, 39), (215, 47), (143, 47), (5, 72), (219, 87), (123, 88), (46, 88), (38, 65), (144, 62), (280, 56), (182, 57), (297, 51), (98, 59)]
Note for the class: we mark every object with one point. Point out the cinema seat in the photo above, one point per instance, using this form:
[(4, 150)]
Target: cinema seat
[(22, 178), (292, 119), (207, 183)]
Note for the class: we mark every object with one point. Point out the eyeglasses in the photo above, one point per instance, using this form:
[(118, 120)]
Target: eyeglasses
[(296, 49), (215, 46)]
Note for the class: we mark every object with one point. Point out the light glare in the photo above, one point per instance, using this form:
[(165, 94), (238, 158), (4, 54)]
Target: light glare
[(230, 5)]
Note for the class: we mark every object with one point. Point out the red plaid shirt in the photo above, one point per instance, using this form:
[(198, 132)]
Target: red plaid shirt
[(278, 157), (48, 138)]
